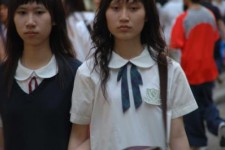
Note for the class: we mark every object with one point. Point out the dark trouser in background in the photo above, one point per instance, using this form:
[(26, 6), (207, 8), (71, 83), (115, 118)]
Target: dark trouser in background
[(207, 113), (218, 56)]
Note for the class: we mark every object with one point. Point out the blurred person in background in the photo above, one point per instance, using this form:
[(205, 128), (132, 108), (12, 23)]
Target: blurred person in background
[(221, 27), (3, 27), (168, 14), (96, 4), (221, 5), (79, 26), (195, 33)]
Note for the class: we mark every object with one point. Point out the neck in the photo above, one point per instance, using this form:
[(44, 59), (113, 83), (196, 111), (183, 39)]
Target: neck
[(127, 49), (36, 57)]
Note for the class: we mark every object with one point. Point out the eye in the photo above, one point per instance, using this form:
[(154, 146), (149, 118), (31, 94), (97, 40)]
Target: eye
[(114, 7), (40, 12), (21, 12), (133, 8)]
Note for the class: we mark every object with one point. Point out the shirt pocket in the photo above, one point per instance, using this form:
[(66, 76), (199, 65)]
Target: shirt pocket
[(152, 96)]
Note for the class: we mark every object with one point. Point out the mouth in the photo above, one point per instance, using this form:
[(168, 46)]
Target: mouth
[(124, 28), (30, 33)]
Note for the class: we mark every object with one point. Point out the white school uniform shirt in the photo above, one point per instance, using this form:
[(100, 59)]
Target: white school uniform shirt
[(168, 15), (23, 75), (110, 128), (79, 34)]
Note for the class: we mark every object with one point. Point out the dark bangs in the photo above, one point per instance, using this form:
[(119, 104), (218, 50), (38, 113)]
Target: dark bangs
[(127, 1), (47, 3)]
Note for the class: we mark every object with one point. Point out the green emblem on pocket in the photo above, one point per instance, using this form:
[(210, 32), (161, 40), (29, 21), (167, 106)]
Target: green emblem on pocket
[(153, 96)]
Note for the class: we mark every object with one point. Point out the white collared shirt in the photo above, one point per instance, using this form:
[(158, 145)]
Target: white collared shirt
[(112, 129), (23, 75)]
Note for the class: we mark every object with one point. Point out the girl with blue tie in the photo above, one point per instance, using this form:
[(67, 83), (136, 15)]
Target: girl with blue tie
[(117, 91)]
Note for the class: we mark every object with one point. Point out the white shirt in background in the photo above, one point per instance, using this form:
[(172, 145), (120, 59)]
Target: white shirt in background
[(221, 6), (79, 33), (168, 15)]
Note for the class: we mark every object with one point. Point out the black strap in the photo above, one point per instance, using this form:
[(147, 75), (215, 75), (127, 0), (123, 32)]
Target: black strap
[(88, 25), (163, 75)]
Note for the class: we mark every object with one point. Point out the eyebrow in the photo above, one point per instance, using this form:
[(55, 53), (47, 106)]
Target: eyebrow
[(127, 1), (24, 7)]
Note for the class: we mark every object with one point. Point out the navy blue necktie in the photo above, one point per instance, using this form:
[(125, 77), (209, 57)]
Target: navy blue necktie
[(136, 80)]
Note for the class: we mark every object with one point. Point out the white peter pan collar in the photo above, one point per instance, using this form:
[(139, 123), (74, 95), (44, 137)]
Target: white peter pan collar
[(47, 71), (144, 60)]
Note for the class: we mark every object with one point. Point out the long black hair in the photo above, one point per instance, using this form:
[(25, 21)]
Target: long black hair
[(103, 41), (59, 42)]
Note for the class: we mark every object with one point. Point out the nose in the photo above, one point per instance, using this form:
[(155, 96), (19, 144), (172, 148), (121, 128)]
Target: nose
[(30, 23), (124, 15)]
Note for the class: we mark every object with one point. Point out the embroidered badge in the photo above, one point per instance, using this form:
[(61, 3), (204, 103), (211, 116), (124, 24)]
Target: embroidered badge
[(152, 97)]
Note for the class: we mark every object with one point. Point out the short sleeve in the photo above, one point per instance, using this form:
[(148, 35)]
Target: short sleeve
[(82, 98), (181, 94), (178, 33)]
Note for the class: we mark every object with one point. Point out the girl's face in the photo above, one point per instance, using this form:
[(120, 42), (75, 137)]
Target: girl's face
[(3, 13), (33, 23), (125, 19)]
